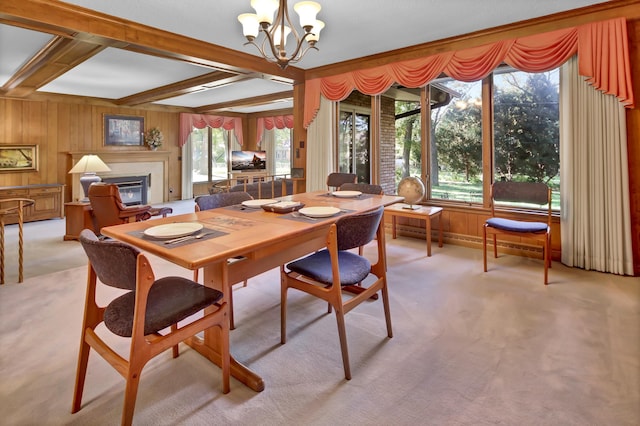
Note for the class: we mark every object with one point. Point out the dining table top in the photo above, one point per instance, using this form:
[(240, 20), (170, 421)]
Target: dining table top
[(240, 231)]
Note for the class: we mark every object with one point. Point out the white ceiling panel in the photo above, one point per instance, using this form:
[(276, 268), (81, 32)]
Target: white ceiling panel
[(116, 73), (17, 46), (241, 90)]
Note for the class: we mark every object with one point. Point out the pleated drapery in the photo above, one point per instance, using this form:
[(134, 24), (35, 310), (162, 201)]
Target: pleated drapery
[(602, 48), (200, 121), (595, 219), (320, 148), (269, 123)]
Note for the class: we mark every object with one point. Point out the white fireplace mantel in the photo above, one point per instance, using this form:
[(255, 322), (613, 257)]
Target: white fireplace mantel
[(155, 163)]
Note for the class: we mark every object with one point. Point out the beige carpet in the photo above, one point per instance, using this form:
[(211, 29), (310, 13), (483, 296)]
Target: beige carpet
[(470, 348)]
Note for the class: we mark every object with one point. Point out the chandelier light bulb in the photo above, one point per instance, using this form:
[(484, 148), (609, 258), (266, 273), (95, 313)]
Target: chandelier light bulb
[(307, 10), (250, 25), (265, 10), (315, 32)]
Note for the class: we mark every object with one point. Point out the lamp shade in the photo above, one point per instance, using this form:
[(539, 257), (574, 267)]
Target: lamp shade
[(89, 165)]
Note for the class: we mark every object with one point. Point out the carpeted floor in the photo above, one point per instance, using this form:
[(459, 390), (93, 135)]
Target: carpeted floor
[(469, 348)]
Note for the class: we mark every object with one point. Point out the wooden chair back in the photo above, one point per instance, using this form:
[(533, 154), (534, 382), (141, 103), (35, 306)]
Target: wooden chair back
[(155, 314)]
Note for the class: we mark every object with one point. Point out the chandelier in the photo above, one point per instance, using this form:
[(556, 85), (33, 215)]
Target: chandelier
[(275, 32)]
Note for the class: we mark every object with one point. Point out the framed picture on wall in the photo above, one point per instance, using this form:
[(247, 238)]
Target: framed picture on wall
[(297, 172), (18, 158), (122, 130)]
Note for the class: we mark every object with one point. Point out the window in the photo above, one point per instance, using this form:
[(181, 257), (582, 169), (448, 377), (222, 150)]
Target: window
[(210, 152), (526, 122), (354, 142), (456, 142), (283, 151), (408, 147)]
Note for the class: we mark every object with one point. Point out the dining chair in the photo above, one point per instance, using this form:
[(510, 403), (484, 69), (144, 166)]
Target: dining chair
[(365, 188), (148, 307), (336, 180), (324, 274), (532, 193), (108, 209), (214, 201)]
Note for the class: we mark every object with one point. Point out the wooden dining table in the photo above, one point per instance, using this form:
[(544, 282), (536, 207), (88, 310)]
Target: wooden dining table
[(262, 240)]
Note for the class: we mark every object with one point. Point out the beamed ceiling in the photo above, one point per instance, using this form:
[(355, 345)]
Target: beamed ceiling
[(190, 54)]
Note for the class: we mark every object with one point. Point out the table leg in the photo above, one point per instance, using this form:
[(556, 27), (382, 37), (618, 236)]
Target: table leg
[(440, 229), (393, 226), (216, 276), (428, 230)]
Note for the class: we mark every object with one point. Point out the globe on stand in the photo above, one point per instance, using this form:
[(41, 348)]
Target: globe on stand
[(413, 190)]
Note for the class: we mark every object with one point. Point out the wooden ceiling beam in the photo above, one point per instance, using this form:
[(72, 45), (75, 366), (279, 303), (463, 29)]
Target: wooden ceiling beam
[(191, 85), (256, 100), (99, 28), (58, 56)]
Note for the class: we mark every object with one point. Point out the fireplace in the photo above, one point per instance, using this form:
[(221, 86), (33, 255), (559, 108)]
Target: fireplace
[(155, 164), (133, 189)]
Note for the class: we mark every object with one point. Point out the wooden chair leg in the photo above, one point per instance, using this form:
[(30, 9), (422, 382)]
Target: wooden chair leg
[(131, 391), (81, 374), (232, 324), (495, 246), (283, 309), (174, 348), (484, 247), (342, 332), (387, 311)]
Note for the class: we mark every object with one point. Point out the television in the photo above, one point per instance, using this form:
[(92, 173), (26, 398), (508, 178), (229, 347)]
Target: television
[(248, 161)]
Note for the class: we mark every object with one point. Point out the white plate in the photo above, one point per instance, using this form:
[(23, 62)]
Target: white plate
[(173, 230), (319, 211), (256, 204), (347, 194)]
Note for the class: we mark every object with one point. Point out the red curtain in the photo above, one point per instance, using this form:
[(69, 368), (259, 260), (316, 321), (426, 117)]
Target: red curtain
[(603, 57), (278, 121), (200, 121)]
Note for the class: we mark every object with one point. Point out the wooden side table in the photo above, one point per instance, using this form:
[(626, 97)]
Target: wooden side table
[(425, 213), (78, 217)]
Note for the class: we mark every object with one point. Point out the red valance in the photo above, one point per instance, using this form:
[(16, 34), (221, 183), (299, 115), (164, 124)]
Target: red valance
[(603, 57), (200, 121), (277, 121)]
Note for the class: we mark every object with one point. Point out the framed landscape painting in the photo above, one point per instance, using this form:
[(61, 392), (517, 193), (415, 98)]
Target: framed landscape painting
[(122, 130), (18, 158)]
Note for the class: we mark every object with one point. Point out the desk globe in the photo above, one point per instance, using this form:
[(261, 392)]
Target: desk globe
[(413, 190)]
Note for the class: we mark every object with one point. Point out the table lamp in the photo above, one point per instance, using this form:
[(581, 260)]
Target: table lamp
[(89, 165)]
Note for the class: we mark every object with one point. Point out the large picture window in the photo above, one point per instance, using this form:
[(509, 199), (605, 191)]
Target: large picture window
[(524, 144)]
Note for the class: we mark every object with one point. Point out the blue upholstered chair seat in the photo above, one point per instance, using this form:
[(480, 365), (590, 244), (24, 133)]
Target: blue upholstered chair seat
[(516, 225), (171, 299), (353, 268)]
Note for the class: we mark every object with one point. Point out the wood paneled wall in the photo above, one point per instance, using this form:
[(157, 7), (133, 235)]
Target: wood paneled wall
[(59, 125)]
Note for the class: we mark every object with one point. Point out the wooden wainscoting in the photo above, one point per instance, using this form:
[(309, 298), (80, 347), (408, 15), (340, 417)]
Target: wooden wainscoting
[(463, 226)]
